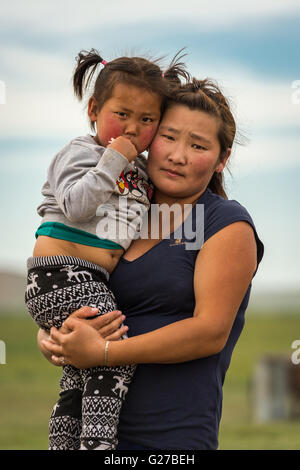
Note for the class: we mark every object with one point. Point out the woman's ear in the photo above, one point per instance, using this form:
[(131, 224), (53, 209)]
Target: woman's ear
[(92, 109), (221, 165)]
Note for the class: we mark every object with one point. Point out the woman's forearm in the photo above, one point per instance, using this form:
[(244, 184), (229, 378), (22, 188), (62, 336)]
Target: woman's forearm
[(181, 341)]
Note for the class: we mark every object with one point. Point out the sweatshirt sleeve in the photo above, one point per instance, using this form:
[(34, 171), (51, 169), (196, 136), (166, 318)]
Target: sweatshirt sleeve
[(81, 179)]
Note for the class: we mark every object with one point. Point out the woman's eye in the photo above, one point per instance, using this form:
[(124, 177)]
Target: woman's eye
[(121, 114), (168, 137), (198, 147)]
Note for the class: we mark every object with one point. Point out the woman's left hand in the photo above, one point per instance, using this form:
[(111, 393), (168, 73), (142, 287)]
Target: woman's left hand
[(65, 347), (109, 325)]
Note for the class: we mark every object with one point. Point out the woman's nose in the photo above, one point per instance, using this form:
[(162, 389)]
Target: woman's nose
[(177, 155)]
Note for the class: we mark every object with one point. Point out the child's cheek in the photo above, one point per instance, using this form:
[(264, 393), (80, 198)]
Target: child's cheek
[(146, 137), (112, 129)]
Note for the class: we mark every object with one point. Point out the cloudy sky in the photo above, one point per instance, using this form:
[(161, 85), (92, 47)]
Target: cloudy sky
[(250, 48)]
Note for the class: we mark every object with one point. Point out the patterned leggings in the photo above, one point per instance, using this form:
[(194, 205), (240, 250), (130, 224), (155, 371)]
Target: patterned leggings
[(87, 413)]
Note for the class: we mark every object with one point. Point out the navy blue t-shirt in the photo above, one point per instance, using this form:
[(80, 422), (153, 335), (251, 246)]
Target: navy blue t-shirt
[(175, 406)]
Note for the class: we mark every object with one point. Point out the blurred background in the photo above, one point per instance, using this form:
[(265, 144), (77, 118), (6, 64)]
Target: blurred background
[(252, 50)]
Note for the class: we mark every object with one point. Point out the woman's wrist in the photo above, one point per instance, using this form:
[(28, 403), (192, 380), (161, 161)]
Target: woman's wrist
[(116, 353)]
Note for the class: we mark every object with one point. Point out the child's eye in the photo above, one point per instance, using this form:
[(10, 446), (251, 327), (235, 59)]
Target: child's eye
[(147, 119), (121, 114)]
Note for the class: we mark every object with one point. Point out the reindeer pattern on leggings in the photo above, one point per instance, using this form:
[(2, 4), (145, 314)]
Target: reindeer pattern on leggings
[(36, 285)]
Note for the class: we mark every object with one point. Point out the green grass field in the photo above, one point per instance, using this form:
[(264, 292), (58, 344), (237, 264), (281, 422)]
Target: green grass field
[(29, 386)]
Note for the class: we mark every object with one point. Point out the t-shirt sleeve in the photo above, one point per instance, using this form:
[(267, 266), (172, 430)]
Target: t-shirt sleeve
[(226, 212)]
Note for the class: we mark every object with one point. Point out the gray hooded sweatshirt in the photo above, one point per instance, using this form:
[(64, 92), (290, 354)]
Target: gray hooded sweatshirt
[(96, 190)]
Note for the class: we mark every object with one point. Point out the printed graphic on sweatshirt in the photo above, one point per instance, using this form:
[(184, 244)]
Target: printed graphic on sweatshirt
[(132, 182)]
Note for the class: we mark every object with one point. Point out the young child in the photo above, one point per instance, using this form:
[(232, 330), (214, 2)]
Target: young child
[(95, 196)]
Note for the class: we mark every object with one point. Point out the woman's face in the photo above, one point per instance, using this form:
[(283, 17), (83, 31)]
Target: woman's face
[(184, 153)]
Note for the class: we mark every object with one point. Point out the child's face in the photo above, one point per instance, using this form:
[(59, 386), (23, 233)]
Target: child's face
[(130, 112)]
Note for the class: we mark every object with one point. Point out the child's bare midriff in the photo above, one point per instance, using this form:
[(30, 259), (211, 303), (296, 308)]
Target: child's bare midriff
[(48, 246)]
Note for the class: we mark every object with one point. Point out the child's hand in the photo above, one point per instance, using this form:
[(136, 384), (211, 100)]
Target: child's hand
[(124, 146)]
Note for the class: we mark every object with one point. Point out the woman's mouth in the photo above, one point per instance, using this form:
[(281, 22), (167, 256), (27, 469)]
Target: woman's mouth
[(172, 173)]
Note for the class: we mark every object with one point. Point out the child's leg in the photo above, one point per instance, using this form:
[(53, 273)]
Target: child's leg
[(56, 287), (104, 392), (76, 283), (65, 421)]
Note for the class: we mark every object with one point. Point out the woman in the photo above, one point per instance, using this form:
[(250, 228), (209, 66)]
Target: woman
[(185, 306)]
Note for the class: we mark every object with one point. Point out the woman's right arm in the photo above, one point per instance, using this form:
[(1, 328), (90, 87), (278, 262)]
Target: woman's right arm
[(224, 268)]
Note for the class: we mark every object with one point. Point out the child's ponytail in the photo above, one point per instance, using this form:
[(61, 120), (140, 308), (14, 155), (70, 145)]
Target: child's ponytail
[(81, 79)]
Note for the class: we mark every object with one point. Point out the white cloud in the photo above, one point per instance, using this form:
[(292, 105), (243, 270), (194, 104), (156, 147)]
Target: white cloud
[(39, 96), (265, 154), (257, 102), (265, 103), (29, 69), (66, 16), (37, 114)]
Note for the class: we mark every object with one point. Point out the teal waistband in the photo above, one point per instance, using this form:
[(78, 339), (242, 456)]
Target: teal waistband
[(63, 232)]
